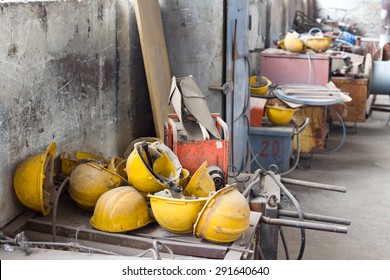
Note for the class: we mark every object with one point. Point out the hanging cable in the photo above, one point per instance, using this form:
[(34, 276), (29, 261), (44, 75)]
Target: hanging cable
[(297, 207), (281, 232), (260, 252), (298, 154), (344, 132), (310, 67), (21, 240), (297, 131)]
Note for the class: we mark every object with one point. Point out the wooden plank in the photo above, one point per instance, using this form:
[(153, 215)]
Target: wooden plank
[(155, 56)]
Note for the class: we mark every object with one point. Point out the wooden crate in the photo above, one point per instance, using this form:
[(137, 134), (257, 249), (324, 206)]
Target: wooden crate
[(354, 111), (312, 138)]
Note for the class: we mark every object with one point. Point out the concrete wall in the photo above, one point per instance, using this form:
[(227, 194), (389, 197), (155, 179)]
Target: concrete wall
[(70, 72), (366, 14), (58, 82)]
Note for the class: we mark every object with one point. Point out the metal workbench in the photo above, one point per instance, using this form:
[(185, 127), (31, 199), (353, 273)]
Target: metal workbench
[(72, 226)]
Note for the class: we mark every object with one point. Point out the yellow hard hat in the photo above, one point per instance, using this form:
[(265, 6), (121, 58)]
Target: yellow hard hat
[(33, 180), (176, 215), (293, 43), (69, 161), (121, 209), (320, 44), (259, 87), (118, 165), (130, 147), (88, 181), (151, 177), (184, 177), (279, 115), (201, 183), (224, 217)]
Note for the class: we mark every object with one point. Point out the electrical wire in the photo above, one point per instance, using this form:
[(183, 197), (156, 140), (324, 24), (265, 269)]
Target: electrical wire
[(344, 133), (298, 154), (260, 252), (21, 240), (299, 211), (244, 110), (284, 242), (310, 67), (248, 189), (247, 96)]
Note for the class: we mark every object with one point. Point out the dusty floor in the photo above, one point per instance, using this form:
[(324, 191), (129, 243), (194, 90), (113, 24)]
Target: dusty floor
[(363, 166)]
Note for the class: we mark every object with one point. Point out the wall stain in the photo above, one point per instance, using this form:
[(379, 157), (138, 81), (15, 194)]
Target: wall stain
[(109, 75), (12, 50), (100, 12), (89, 27), (42, 15)]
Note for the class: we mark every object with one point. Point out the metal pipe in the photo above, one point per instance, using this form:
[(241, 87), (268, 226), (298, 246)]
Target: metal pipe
[(306, 225), (315, 217), (314, 185)]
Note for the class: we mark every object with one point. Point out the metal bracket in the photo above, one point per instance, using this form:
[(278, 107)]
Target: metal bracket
[(226, 88)]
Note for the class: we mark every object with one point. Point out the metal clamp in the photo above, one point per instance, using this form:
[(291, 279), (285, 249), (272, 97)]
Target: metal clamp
[(226, 88)]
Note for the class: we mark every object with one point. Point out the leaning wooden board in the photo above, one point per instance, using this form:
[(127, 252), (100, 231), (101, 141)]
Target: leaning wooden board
[(155, 56)]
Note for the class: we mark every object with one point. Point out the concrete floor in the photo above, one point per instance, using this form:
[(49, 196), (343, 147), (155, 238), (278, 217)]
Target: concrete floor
[(363, 166)]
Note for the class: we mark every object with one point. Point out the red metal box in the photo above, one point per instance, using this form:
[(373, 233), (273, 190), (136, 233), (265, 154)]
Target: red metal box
[(283, 68)]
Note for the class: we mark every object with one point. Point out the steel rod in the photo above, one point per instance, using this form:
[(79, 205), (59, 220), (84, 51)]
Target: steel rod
[(315, 217), (306, 225), (314, 185)]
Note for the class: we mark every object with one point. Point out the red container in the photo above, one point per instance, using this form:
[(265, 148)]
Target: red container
[(295, 68), (257, 106), (193, 153)]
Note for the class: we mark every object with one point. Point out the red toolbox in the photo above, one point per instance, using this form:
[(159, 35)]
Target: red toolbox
[(192, 153)]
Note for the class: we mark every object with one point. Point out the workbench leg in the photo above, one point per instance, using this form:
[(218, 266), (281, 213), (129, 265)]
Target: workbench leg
[(269, 235), (308, 161), (371, 106)]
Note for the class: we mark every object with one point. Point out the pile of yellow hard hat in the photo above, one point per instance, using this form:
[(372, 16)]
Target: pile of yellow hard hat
[(221, 218), (295, 42), (127, 194)]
